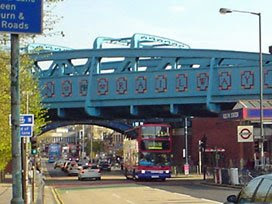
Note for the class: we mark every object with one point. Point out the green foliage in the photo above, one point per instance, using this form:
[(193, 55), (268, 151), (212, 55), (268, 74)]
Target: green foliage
[(28, 88), (5, 139), (30, 94), (28, 85), (98, 147)]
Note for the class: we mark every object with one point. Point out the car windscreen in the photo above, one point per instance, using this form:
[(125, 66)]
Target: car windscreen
[(246, 194)]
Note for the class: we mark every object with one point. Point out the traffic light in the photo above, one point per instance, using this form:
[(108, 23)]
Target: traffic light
[(202, 143), (34, 145), (256, 147)]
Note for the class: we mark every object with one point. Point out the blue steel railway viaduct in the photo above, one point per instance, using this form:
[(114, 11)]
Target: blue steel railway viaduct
[(147, 78)]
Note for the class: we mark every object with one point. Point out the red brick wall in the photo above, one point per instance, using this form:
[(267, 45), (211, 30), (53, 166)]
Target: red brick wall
[(222, 134)]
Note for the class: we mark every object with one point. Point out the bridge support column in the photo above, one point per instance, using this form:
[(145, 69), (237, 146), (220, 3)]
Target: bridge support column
[(134, 110), (61, 113), (210, 105), (174, 109), (93, 111)]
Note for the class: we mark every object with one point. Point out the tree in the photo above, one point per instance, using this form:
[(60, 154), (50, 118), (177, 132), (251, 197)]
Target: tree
[(28, 85), (98, 146), (5, 139)]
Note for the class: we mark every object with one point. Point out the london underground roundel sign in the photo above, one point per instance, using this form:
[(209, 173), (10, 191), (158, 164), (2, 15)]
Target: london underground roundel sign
[(245, 133)]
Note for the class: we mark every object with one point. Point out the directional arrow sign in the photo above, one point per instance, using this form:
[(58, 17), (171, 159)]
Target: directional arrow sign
[(26, 119)]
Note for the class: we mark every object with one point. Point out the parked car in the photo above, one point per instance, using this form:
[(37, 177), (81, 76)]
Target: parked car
[(89, 172), (258, 190), (105, 166)]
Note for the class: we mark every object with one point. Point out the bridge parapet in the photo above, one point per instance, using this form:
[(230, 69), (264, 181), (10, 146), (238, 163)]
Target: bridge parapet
[(159, 82)]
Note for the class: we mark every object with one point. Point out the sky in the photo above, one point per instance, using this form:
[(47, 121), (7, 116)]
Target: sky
[(197, 23)]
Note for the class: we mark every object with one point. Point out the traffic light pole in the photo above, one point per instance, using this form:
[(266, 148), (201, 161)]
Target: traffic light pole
[(25, 167)]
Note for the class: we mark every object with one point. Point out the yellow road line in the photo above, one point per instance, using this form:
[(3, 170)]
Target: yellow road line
[(56, 196)]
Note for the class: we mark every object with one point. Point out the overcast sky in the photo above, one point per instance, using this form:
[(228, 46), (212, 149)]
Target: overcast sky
[(197, 23)]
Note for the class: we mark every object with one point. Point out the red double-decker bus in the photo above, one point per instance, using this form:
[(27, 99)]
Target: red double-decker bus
[(147, 150)]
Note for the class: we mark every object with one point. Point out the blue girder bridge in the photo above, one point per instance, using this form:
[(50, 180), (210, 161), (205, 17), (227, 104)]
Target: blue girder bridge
[(148, 77)]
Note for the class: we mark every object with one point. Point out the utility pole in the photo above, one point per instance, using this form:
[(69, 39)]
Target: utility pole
[(83, 141), (91, 148), (186, 165), (15, 122), (200, 156)]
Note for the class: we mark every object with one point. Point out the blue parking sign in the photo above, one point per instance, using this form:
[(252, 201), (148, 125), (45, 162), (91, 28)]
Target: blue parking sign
[(26, 131)]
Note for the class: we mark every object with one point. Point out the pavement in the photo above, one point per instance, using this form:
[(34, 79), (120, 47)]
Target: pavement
[(50, 196), (5, 192)]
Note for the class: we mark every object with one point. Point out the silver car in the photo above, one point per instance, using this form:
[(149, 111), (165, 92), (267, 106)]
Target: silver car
[(73, 169), (89, 172), (258, 190)]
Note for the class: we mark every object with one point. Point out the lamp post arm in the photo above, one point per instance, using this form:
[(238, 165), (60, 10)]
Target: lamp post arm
[(253, 13)]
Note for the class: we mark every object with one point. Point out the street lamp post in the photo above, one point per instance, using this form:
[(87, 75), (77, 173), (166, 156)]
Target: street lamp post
[(25, 153), (261, 143), (186, 166), (186, 140)]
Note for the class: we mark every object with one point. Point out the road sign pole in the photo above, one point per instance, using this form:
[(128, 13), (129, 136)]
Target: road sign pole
[(15, 122)]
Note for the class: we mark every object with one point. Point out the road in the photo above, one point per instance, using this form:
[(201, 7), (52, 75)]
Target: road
[(114, 188)]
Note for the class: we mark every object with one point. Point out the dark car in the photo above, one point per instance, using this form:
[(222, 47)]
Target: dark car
[(105, 166), (258, 190)]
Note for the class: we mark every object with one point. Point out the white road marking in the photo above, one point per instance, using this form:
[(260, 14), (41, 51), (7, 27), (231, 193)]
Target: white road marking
[(204, 199), (115, 195), (129, 201), (183, 195)]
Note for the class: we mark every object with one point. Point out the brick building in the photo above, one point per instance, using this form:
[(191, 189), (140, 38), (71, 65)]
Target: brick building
[(222, 136)]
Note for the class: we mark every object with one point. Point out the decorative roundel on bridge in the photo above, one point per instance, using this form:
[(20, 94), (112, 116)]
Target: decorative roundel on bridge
[(247, 80), (202, 81), (224, 81), (49, 89), (140, 84), (161, 83), (181, 82), (268, 79), (66, 87), (83, 87), (121, 85), (102, 86)]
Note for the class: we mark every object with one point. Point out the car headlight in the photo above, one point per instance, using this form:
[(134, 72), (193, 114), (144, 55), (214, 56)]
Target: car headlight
[(143, 171), (167, 171)]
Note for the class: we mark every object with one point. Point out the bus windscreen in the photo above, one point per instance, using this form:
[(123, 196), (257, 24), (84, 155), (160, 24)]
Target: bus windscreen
[(154, 159), (155, 132)]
